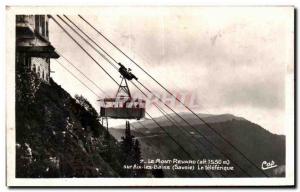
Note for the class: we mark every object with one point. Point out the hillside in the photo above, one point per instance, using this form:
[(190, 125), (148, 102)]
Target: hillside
[(60, 136), (254, 141)]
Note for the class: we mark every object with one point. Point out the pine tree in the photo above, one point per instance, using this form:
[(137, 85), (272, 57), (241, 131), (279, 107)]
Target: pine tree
[(131, 149), (137, 151), (128, 139), (138, 158)]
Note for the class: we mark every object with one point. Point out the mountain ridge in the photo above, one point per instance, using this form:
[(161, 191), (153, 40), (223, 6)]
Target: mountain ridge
[(253, 140)]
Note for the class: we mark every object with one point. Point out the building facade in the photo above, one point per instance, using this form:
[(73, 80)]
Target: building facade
[(33, 48)]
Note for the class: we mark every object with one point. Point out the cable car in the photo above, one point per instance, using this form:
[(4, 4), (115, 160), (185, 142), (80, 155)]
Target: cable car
[(122, 106)]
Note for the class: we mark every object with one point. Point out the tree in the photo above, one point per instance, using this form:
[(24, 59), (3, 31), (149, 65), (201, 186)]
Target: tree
[(138, 159), (88, 115), (131, 149)]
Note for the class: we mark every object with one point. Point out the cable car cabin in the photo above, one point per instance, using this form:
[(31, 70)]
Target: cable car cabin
[(122, 108)]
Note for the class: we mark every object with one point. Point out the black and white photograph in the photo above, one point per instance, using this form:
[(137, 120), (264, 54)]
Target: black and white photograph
[(150, 96)]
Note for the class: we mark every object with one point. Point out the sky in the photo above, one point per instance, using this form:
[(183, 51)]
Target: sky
[(230, 59)]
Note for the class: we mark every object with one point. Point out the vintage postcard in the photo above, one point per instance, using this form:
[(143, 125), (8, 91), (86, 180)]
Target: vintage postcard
[(150, 96)]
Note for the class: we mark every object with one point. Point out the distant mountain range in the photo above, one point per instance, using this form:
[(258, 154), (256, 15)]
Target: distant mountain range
[(256, 143), (188, 117)]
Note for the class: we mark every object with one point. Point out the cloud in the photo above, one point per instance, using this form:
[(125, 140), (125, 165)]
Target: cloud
[(231, 57)]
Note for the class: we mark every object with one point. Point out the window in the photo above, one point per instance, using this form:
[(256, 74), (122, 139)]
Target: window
[(38, 71), (43, 31), (37, 23), (47, 31), (33, 68), (27, 61), (41, 25)]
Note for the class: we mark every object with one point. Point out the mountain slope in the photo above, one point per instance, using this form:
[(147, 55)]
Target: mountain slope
[(59, 136), (253, 141)]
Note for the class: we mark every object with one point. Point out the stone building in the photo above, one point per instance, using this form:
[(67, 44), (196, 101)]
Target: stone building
[(33, 49)]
